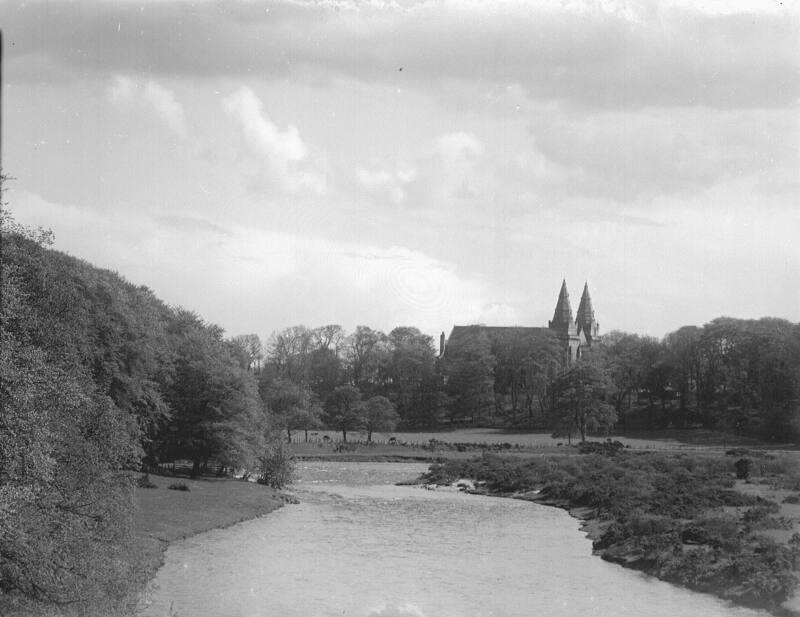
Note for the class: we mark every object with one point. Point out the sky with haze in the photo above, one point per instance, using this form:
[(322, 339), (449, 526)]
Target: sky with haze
[(431, 163)]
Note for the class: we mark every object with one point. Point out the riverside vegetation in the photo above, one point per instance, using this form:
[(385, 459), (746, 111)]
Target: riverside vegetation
[(677, 516), (100, 381)]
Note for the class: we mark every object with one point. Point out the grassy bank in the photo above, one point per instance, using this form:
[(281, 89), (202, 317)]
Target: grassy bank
[(681, 517), (164, 516)]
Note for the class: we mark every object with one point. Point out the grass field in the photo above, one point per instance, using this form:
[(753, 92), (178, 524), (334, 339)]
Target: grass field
[(656, 440)]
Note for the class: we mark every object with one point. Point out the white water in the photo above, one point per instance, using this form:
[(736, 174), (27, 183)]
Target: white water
[(357, 546)]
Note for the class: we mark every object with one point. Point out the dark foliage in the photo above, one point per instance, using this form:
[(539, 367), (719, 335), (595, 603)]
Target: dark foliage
[(743, 467), (143, 481), (97, 378), (665, 515)]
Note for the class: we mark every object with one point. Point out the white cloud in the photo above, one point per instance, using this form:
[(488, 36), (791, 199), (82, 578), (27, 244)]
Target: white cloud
[(373, 179), (125, 90), (262, 279), (459, 146), (122, 90), (279, 152), (383, 183), (163, 101)]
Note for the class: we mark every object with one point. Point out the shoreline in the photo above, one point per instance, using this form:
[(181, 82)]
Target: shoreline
[(655, 533), (164, 517), (593, 528)]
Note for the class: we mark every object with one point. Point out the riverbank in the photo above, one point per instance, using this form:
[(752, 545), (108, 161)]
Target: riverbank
[(164, 516), (683, 518)]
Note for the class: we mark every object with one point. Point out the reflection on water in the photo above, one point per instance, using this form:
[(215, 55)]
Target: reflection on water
[(359, 546)]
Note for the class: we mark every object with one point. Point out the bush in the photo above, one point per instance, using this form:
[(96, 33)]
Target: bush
[(607, 447), (743, 468), (760, 512), (737, 452), (143, 481), (178, 486), (795, 498), (276, 466)]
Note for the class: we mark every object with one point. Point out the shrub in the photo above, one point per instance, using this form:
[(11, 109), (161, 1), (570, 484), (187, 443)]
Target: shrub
[(760, 512), (607, 447), (795, 498), (178, 486), (276, 466), (737, 452), (143, 481), (743, 468)]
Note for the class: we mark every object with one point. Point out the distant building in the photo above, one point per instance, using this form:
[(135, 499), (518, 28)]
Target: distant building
[(575, 335)]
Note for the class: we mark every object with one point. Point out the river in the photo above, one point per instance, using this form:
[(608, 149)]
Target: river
[(359, 546)]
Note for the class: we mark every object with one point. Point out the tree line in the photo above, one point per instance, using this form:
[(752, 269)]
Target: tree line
[(99, 377)]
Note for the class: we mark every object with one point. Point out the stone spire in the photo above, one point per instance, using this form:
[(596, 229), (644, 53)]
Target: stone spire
[(562, 317), (586, 321)]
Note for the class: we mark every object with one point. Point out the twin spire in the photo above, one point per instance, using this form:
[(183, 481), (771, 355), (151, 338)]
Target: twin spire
[(585, 321)]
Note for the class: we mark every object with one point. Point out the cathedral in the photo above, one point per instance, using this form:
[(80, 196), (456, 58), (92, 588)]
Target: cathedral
[(575, 334)]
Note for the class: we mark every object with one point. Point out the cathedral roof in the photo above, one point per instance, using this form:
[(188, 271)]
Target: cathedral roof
[(585, 311), (562, 316)]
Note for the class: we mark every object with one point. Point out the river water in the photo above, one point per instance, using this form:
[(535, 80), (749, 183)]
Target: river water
[(358, 546)]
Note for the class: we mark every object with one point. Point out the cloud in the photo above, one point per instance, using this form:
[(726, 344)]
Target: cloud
[(124, 90), (278, 151), (591, 54), (164, 103), (398, 610), (640, 155), (384, 183), (263, 280)]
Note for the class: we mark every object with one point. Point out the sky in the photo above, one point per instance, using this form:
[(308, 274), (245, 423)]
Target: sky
[(428, 164)]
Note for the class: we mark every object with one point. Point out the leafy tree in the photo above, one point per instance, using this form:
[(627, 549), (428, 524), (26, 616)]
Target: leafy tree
[(580, 400), (293, 406), (526, 363), (379, 414), (364, 350), (65, 506), (289, 352), (411, 380), (344, 409), (251, 348), (216, 406), (469, 371)]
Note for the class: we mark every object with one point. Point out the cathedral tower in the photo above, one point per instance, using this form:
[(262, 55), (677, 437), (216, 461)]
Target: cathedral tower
[(566, 329), (586, 322)]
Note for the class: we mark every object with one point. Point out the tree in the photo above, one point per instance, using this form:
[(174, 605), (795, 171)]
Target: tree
[(217, 412), (469, 371), (344, 409), (411, 382), (65, 503), (293, 406), (251, 348), (379, 415), (363, 349), (525, 364), (580, 400), (289, 353)]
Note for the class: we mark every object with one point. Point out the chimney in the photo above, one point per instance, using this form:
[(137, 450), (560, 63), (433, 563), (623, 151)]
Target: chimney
[(441, 344)]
